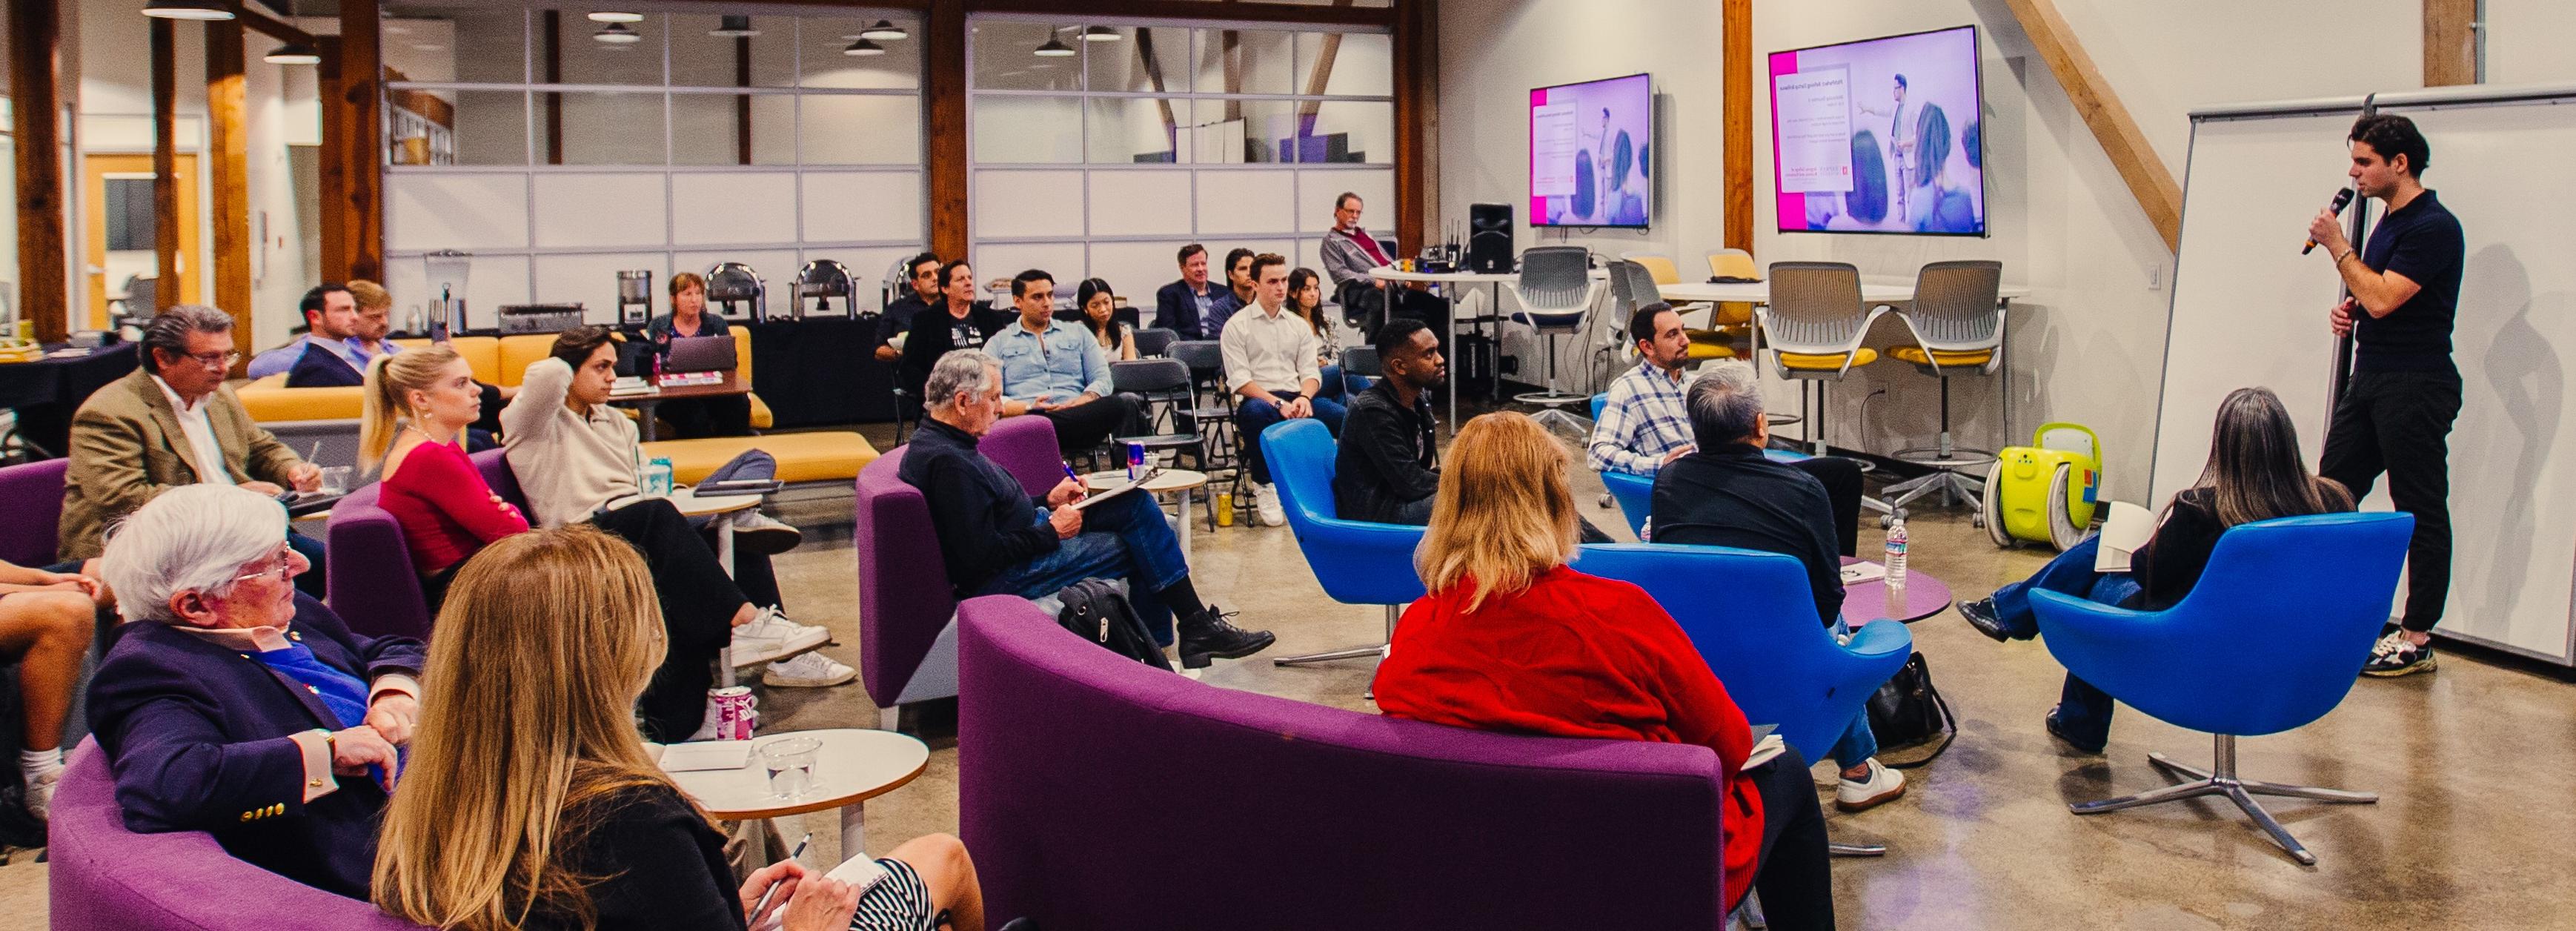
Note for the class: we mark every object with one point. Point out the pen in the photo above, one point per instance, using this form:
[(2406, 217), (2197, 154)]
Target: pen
[(1077, 479), (773, 887)]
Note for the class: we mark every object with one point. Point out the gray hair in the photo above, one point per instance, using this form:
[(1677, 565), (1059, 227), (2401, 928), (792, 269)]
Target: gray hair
[(190, 538), (169, 330), (1725, 403), (961, 370)]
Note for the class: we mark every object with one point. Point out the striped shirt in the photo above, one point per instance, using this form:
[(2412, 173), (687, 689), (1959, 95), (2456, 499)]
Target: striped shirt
[(1643, 420)]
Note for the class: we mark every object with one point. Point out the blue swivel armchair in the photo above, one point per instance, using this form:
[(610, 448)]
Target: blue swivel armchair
[(2270, 639), (1780, 663), (1636, 493), (1357, 562)]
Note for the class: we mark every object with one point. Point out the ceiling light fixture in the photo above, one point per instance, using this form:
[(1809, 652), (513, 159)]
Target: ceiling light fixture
[(293, 53), (884, 31), (617, 34), (734, 27), (862, 49), (612, 16), (1100, 34), (1054, 49), (187, 9)]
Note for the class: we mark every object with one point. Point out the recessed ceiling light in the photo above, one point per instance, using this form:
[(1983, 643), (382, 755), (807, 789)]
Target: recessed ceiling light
[(612, 16), (863, 48), (884, 31), (428, 47), (617, 34), (187, 9)]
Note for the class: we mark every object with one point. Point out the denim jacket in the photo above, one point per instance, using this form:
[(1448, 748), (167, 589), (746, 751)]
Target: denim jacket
[(1060, 364)]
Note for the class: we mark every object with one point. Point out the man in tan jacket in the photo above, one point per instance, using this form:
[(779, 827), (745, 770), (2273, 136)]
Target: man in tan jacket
[(172, 422)]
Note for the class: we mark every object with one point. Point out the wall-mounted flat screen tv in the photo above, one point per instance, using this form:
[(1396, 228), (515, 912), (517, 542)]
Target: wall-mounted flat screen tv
[(1590, 147), (1880, 136)]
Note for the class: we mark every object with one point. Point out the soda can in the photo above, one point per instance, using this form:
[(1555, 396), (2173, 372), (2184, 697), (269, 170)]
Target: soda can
[(1224, 509), (735, 716), (1135, 460)]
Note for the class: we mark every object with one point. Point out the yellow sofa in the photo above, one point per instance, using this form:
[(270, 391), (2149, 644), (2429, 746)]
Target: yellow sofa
[(496, 360)]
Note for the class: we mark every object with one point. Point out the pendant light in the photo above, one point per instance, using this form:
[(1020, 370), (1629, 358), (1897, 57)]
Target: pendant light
[(613, 16), (863, 48), (884, 31), (293, 53), (617, 34), (734, 27), (187, 9), (1100, 34), (1053, 48)]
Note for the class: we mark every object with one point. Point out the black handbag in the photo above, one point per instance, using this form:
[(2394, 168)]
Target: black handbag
[(1908, 711), (1097, 610)]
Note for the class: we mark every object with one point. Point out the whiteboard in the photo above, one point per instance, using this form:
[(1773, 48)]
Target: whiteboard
[(2249, 310)]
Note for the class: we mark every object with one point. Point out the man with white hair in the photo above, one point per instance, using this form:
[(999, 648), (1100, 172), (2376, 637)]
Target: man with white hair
[(229, 703), (996, 539), (1725, 492)]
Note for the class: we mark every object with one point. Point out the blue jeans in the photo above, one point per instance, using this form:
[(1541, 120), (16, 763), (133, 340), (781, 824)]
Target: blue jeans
[(1858, 743), (752, 571), (1339, 386), (1126, 538), (1252, 417), (2083, 712)]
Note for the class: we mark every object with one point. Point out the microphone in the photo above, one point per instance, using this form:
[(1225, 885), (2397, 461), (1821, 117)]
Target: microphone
[(2341, 198)]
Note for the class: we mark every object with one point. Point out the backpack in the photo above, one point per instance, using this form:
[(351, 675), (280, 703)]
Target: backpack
[(1097, 610)]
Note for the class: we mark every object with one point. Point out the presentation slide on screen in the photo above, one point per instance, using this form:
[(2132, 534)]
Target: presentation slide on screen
[(1879, 136), (1589, 147)]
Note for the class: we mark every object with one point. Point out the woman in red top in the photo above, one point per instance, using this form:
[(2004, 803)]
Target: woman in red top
[(446, 511), (1511, 639)]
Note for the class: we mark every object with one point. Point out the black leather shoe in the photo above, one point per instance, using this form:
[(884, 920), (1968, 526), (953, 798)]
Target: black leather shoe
[(1981, 615), (2060, 733), (1210, 634)]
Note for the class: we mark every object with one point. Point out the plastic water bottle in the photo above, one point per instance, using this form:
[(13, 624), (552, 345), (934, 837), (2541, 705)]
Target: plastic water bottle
[(657, 478), (1896, 554)]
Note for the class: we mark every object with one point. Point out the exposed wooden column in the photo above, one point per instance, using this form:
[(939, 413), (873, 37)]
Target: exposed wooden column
[(332, 168), (362, 91), (165, 162), (2149, 181), (1736, 153), (1417, 104), (551, 63), (35, 71), (742, 102), (2450, 42), (228, 139), (943, 98)]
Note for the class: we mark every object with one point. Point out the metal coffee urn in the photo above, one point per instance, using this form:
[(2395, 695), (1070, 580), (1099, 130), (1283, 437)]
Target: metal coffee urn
[(736, 293), (634, 297), (822, 280)]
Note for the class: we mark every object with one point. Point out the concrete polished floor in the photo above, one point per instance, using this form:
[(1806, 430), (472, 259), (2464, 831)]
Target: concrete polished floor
[(2475, 765)]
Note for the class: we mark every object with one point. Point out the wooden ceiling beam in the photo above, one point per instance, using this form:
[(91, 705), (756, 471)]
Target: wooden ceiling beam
[(2148, 179), (259, 21), (1248, 11), (2450, 42)]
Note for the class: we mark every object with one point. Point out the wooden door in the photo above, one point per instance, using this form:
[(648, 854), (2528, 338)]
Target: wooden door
[(118, 192)]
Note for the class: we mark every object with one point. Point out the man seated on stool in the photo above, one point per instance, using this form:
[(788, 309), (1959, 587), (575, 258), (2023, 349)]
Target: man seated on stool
[(997, 540), (1270, 356), (1387, 469), (1643, 427), (1725, 492), (1056, 370)]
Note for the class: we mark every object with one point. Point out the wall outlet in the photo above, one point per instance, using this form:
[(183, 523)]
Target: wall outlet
[(2156, 277)]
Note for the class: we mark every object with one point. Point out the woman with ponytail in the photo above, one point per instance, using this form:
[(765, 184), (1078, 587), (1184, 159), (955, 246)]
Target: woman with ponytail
[(416, 409)]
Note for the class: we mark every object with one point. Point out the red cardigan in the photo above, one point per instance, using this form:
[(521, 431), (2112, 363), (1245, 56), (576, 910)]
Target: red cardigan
[(1574, 656), (445, 509)]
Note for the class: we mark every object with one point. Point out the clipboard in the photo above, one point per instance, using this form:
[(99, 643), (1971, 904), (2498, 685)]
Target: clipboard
[(1099, 496)]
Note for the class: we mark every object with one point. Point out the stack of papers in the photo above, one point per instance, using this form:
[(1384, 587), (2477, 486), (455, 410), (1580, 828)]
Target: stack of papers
[(1859, 572), (687, 379), (2123, 533), (706, 755)]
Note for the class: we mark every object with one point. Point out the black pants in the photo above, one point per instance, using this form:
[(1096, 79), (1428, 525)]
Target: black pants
[(1083, 427), (1795, 877), (698, 605), (690, 418), (2400, 423), (1842, 487)]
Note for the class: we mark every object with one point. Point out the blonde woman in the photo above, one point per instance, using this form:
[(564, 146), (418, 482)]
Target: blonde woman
[(1510, 638), (561, 819), (417, 407)]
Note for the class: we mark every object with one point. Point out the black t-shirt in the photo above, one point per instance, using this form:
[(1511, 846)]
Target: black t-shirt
[(2423, 242), (657, 864)]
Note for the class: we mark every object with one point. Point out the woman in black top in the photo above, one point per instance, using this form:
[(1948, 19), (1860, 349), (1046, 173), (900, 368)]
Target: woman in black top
[(696, 417), (956, 322), (2254, 473)]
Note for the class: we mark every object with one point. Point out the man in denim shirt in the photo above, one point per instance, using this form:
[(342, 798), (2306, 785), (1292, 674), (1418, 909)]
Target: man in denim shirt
[(1056, 370)]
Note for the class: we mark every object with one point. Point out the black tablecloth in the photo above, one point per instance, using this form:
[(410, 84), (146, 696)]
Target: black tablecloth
[(821, 371), (46, 392)]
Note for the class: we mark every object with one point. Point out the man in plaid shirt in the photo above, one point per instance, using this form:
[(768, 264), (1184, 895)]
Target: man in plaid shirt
[(1645, 424)]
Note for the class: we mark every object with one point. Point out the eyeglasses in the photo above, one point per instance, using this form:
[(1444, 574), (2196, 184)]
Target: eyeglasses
[(284, 570), (216, 359)]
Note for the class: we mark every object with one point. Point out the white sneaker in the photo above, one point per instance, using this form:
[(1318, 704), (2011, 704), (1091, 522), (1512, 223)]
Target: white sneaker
[(760, 533), (807, 671), (770, 635), (1265, 505), (40, 794), (1882, 786)]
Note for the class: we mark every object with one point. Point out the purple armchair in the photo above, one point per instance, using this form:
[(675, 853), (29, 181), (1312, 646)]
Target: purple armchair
[(34, 493), (106, 878), (1099, 793), (907, 645), (372, 585)]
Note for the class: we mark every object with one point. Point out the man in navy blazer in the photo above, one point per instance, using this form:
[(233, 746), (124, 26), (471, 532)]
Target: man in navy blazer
[(1193, 307), (232, 704)]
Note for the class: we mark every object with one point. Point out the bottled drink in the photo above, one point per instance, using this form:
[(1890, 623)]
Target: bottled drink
[(1896, 540), (657, 478)]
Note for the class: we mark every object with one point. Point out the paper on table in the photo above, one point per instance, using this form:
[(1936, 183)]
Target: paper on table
[(1100, 495), (706, 755), (1859, 572), (2123, 532)]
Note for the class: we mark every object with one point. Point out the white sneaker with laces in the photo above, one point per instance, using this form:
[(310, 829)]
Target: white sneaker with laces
[(770, 635), (760, 533), (2389, 644), (40, 794), (811, 670), (1265, 505), (1882, 786)]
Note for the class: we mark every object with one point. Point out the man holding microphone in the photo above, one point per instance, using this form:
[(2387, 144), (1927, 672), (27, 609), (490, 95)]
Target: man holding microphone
[(2397, 407)]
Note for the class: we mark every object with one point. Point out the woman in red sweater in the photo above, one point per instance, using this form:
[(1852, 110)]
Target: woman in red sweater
[(1511, 639), (446, 510)]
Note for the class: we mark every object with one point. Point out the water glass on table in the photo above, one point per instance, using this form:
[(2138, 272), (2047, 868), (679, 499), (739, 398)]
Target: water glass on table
[(335, 480), (790, 761)]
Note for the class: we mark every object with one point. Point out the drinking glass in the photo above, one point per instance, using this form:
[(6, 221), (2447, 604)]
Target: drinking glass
[(335, 480), (790, 761)]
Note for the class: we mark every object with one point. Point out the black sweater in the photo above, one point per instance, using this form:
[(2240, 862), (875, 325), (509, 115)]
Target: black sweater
[(935, 333), (1733, 495), (1387, 456), (986, 522), (659, 864)]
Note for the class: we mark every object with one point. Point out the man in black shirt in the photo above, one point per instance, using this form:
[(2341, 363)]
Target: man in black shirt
[(996, 539), (1727, 493), (2397, 408), (1387, 469), (922, 276)]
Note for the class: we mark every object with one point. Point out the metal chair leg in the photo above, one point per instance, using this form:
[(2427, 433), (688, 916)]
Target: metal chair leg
[(2221, 779), (1836, 848), (1348, 652)]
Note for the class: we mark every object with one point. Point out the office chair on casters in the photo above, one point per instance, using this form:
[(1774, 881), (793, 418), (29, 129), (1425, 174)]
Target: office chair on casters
[(1958, 325), (2268, 640), (1556, 292), (1812, 332)]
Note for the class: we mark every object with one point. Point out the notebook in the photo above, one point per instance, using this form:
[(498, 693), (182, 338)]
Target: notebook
[(1766, 745), (2123, 533)]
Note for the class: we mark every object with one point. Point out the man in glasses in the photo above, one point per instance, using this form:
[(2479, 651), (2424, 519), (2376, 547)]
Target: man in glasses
[(172, 422)]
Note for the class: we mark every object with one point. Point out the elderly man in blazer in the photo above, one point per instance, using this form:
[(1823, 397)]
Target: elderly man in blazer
[(170, 423), (231, 704)]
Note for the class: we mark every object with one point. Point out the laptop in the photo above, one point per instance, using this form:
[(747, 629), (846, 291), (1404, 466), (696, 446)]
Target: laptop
[(700, 354)]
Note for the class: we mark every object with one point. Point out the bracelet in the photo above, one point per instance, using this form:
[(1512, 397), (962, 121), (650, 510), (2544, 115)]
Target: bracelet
[(2347, 253)]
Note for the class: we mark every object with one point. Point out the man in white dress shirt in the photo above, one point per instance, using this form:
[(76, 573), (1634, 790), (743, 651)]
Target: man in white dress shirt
[(1270, 364)]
